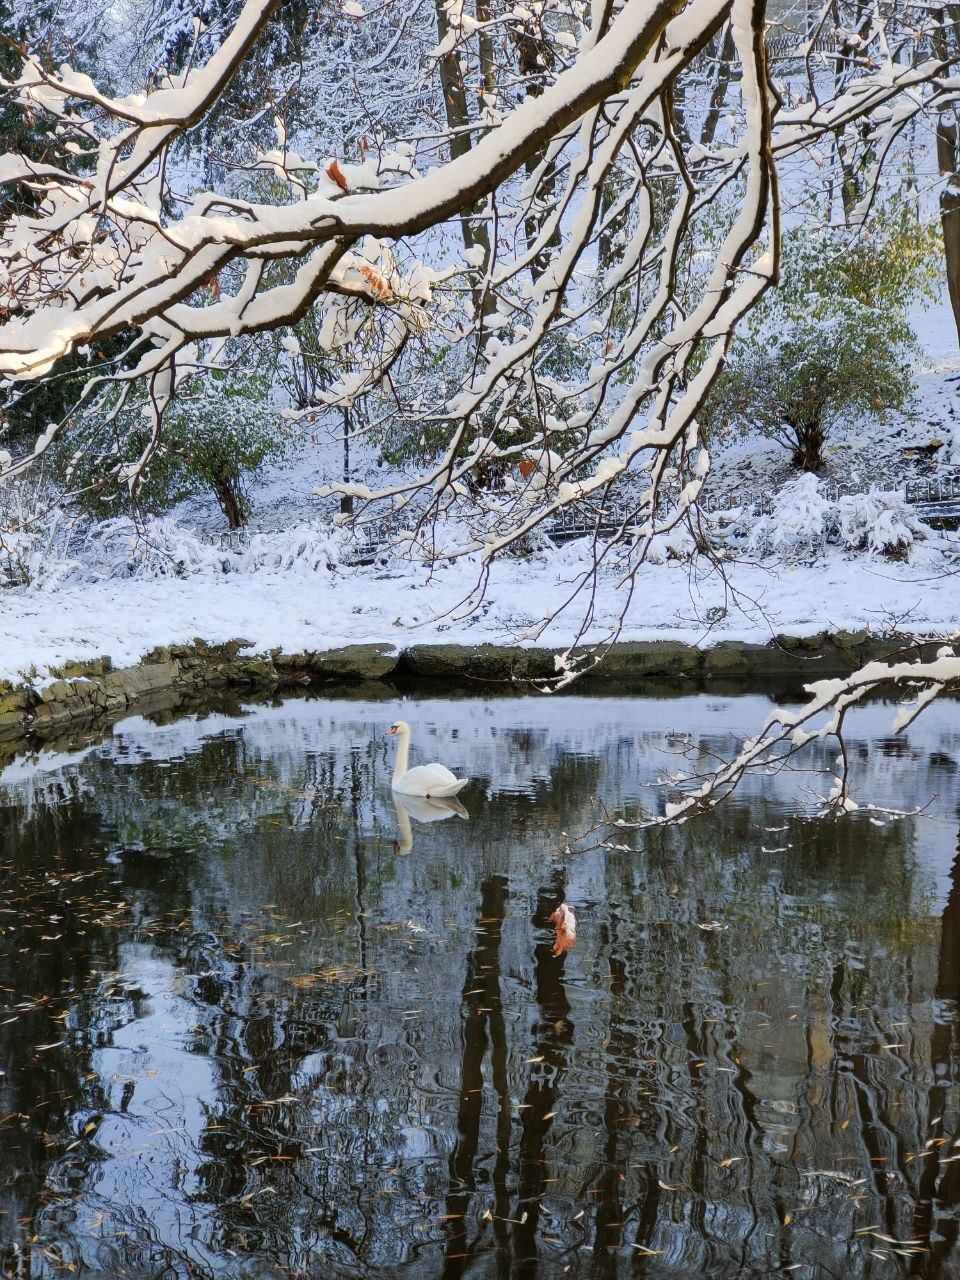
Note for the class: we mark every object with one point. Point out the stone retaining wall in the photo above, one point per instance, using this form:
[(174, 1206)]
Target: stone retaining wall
[(183, 675)]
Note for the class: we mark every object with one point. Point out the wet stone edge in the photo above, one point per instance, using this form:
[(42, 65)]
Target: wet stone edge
[(94, 693)]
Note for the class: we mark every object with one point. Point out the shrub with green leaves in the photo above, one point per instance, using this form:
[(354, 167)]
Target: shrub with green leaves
[(218, 431), (833, 338), (521, 415)]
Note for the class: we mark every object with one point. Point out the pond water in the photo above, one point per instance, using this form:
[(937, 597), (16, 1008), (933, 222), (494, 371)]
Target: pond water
[(254, 1022)]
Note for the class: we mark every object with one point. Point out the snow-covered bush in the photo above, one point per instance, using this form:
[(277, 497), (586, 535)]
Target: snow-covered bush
[(160, 548), (674, 545), (799, 525), (25, 559), (305, 547), (164, 548), (35, 534), (875, 521), (804, 520)]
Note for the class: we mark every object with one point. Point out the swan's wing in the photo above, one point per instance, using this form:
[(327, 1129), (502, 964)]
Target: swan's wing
[(429, 780), (449, 790), (440, 773)]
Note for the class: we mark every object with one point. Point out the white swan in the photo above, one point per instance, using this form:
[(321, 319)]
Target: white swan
[(429, 780)]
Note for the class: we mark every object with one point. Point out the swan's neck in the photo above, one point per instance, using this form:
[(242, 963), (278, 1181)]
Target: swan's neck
[(403, 751)]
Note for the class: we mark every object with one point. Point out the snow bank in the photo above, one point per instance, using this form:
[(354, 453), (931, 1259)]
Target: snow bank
[(287, 606)]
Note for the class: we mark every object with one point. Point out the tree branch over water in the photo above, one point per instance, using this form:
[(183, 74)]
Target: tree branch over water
[(614, 242)]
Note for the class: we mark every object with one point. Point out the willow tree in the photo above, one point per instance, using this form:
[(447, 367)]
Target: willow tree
[(591, 146)]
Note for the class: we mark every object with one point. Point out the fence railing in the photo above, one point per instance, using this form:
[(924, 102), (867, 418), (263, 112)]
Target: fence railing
[(793, 48), (790, 48), (941, 489)]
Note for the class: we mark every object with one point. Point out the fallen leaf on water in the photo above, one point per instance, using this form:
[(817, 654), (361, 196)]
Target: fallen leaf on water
[(565, 924)]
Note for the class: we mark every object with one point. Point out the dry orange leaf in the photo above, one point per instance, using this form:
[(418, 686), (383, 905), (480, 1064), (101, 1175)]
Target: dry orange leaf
[(374, 279), (335, 173)]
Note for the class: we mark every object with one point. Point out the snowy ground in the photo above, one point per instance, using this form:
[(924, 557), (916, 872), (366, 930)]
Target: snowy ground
[(299, 610)]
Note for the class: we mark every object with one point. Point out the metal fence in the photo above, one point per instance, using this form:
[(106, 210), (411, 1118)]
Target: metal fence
[(941, 491), (792, 48), (589, 518)]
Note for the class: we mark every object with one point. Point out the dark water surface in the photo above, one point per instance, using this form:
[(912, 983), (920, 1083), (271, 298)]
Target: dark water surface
[(253, 1023)]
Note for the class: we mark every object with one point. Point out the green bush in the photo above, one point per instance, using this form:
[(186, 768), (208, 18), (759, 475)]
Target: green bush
[(832, 338), (218, 431)]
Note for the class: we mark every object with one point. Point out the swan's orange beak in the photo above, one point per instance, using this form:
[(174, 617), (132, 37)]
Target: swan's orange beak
[(392, 729)]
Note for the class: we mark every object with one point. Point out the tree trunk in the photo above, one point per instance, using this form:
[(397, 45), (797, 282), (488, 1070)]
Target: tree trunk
[(226, 487), (346, 501), (948, 162), (474, 231), (808, 455), (718, 90), (947, 140), (950, 218), (530, 63)]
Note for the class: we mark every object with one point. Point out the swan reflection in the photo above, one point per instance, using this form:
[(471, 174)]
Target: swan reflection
[(422, 809)]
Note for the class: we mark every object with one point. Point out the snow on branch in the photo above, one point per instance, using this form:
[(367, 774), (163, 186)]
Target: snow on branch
[(613, 239), (822, 716)]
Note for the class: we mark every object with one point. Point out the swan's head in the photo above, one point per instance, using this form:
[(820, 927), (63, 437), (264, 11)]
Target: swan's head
[(401, 727)]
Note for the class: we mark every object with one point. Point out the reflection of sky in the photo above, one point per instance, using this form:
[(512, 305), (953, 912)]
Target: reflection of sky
[(511, 746), (149, 1150)]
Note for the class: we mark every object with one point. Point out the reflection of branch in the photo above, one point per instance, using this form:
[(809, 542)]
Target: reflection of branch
[(788, 732)]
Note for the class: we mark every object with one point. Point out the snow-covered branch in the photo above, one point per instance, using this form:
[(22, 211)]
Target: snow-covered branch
[(786, 733)]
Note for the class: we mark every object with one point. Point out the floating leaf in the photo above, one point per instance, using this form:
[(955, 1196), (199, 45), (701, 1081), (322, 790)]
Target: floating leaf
[(565, 923)]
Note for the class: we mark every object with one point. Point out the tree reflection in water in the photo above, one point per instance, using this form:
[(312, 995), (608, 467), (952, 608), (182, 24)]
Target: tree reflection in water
[(243, 1036)]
